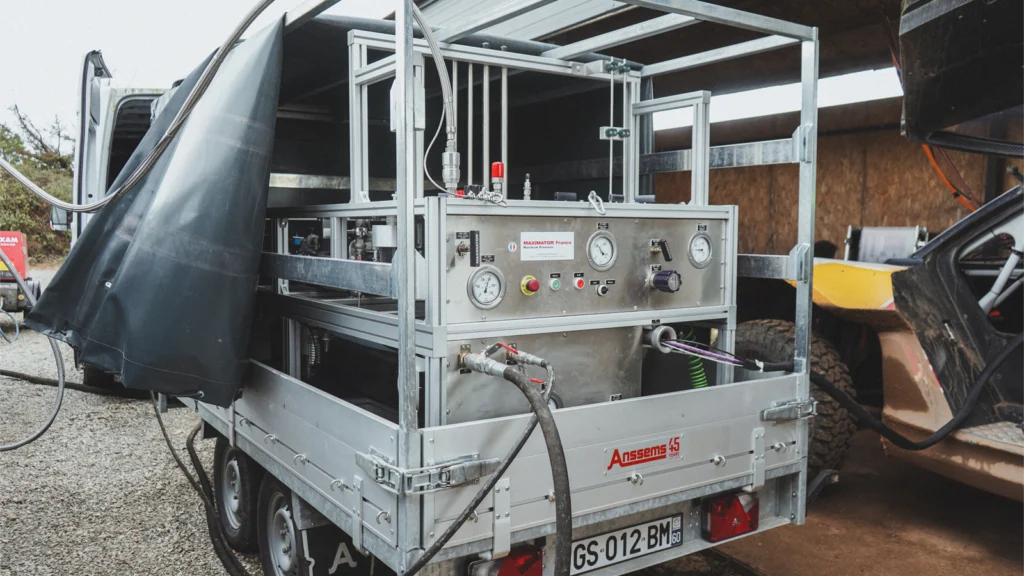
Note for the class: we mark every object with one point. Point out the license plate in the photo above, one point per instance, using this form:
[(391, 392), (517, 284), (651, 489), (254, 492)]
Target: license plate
[(626, 544)]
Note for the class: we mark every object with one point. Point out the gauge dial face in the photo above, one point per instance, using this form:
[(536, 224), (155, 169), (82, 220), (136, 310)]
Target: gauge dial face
[(601, 250), (700, 250), (486, 287)]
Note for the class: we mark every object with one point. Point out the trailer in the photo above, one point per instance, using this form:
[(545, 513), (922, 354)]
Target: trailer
[(372, 416)]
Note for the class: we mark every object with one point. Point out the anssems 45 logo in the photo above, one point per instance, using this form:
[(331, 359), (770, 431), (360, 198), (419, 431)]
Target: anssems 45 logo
[(646, 453)]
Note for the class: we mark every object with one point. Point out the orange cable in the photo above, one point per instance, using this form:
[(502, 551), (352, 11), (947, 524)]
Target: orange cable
[(938, 170)]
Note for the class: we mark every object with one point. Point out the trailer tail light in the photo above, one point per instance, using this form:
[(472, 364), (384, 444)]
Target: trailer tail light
[(729, 516), (524, 561)]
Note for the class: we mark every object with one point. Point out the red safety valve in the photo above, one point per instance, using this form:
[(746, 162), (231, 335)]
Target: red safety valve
[(497, 170)]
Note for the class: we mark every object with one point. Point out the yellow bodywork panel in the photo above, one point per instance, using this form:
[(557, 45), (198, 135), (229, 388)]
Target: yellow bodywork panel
[(859, 290)]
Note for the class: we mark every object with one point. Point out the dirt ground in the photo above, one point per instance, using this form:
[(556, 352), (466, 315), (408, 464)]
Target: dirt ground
[(887, 517)]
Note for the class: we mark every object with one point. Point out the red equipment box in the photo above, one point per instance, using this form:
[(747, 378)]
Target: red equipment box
[(14, 246)]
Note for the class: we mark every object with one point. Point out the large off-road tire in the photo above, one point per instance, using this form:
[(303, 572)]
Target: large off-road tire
[(832, 430)]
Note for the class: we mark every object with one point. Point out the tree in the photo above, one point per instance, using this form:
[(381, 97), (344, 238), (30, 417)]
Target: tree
[(46, 157)]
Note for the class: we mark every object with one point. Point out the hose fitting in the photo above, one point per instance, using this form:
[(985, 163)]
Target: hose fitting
[(480, 363), (654, 337)]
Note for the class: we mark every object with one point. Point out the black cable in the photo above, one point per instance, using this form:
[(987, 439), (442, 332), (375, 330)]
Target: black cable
[(559, 468), (120, 392), (58, 359), (220, 548), (488, 487), (877, 425), (227, 556)]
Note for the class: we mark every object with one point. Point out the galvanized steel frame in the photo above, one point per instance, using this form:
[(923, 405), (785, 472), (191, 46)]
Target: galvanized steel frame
[(414, 338)]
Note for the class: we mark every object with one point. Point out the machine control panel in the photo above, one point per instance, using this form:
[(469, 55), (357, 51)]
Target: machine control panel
[(549, 266)]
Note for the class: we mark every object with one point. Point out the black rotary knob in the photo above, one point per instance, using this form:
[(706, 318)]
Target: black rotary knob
[(667, 281)]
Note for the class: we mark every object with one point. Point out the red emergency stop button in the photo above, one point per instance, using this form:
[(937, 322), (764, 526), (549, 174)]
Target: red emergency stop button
[(580, 284), (529, 285)]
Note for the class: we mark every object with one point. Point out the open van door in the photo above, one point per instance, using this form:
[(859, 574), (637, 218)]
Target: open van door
[(112, 122)]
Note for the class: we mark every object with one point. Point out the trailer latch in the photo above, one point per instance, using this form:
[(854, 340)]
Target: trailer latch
[(427, 479), (790, 410)]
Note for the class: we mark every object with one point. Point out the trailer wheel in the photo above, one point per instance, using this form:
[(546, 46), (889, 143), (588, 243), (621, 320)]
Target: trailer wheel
[(832, 430), (236, 481), (280, 546), (97, 378)]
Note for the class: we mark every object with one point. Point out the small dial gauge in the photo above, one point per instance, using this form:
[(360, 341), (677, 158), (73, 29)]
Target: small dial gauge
[(601, 250), (486, 287), (700, 250)]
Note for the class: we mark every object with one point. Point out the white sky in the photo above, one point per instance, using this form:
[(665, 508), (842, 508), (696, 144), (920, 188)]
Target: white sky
[(835, 91), (146, 43)]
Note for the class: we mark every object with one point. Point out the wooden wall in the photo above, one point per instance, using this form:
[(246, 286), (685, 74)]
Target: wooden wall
[(865, 179)]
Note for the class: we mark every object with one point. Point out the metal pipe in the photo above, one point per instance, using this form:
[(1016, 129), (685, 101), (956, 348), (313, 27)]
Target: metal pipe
[(404, 266), (626, 35), (611, 143), (504, 123), (469, 124), (625, 143), (730, 17), (486, 176), (718, 55), (987, 301)]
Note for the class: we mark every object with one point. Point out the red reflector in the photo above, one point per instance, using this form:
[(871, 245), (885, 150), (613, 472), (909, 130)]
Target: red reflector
[(729, 516), (524, 561)]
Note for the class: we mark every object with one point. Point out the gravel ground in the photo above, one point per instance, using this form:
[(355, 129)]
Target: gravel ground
[(98, 493)]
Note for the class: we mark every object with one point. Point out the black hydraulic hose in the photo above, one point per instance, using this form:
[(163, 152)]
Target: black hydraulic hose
[(122, 392), (57, 357), (221, 549), (877, 425), (559, 468), (217, 537), (488, 486)]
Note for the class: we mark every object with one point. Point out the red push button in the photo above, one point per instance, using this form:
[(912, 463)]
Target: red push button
[(580, 284), (529, 285)]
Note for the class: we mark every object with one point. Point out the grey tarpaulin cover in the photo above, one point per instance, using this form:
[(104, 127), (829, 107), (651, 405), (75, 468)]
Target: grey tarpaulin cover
[(161, 286)]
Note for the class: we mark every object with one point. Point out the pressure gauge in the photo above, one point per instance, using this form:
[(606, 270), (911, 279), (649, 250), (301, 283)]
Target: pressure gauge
[(601, 250), (700, 250), (486, 287)]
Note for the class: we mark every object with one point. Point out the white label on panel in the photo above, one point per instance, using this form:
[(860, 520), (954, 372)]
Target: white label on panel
[(547, 246)]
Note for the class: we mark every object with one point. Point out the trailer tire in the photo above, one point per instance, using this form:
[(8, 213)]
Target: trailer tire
[(831, 431), (236, 483), (279, 540), (97, 378)]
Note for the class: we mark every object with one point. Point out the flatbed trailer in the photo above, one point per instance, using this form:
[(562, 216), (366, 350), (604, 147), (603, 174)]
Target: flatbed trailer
[(378, 467)]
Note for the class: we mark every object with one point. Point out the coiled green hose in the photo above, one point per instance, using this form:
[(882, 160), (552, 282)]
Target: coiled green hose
[(698, 377)]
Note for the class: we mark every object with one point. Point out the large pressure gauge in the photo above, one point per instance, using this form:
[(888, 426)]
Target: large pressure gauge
[(601, 250), (486, 287), (700, 250)]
